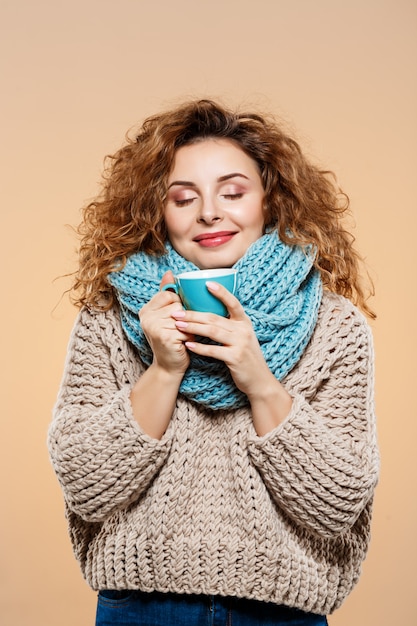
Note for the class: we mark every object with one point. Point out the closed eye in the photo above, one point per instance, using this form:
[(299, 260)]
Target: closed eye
[(233, 196), (184, 202)]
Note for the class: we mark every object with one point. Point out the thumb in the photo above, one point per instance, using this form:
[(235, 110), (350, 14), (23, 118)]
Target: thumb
[(168, 277)]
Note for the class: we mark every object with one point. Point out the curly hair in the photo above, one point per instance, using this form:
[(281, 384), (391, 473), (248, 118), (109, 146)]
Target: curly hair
[(303, 202)]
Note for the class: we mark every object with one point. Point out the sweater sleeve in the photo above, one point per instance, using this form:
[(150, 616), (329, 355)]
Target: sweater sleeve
[(321, 464), (102, 458)]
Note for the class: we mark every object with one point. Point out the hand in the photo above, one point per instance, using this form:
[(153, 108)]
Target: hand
[(165, 338), (239, 349)]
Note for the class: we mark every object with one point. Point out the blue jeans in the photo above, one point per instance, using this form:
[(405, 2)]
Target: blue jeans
[(135, 608)]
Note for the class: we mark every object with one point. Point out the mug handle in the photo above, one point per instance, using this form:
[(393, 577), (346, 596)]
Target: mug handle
[(170, 287)]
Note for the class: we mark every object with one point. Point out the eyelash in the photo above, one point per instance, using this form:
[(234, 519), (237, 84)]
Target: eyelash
[(233, 196), (181, 203), (227, 196)]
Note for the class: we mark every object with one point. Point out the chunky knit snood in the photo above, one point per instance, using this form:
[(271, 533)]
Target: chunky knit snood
[(278, 288)]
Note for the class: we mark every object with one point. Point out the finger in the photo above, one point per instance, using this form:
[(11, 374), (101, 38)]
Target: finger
[(214, 327), (208, 350), (164, 299), (229, 300), (161, 306), (168, 277)]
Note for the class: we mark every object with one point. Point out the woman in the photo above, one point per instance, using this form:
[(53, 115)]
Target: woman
[(217, 470)]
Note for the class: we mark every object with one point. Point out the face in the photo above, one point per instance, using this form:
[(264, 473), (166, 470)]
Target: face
[(214, 208)]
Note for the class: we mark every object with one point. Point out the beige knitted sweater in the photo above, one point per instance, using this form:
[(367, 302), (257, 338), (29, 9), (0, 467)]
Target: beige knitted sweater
[(212, 508)]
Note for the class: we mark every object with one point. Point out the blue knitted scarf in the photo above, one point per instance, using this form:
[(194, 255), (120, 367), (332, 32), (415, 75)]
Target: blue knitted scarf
[(278, 288)]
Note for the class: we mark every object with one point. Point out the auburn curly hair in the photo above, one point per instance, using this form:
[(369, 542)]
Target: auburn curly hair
[(303, 202)]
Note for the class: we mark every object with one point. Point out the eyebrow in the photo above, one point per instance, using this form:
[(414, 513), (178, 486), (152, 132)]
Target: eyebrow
[(221, 179)]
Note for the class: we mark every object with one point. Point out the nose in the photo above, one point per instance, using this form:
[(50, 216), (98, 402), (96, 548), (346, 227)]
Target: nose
[(209, 211)]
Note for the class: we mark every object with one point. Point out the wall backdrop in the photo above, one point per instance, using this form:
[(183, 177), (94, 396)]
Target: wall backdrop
[(75, 76)]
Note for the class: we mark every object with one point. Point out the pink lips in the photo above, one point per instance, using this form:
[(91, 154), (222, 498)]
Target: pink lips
[(211, 240)]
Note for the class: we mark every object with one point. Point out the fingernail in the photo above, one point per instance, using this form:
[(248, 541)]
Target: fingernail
[(212, 286), (181, 325), (178, 314)]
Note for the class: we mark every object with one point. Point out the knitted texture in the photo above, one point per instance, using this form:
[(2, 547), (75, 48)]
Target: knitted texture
[(278, 289), (212, 508)]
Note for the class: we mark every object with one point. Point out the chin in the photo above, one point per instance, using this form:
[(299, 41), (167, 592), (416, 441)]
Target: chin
[(214, 264)]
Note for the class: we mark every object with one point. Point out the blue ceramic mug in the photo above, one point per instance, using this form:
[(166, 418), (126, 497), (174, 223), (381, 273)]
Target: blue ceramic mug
[(191, 288)]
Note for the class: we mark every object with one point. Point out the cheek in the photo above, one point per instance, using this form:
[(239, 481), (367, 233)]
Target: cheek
[(169, 219), (168, 228), (175, 225), (253, 216)]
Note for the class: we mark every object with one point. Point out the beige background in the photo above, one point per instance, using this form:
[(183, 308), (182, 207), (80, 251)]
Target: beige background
[(75, 76)]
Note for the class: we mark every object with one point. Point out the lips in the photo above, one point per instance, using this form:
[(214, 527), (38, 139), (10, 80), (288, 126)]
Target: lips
[(211, 240)]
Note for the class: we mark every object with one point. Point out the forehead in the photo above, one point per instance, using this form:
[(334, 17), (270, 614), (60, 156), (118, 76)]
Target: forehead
[(211, 156)]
